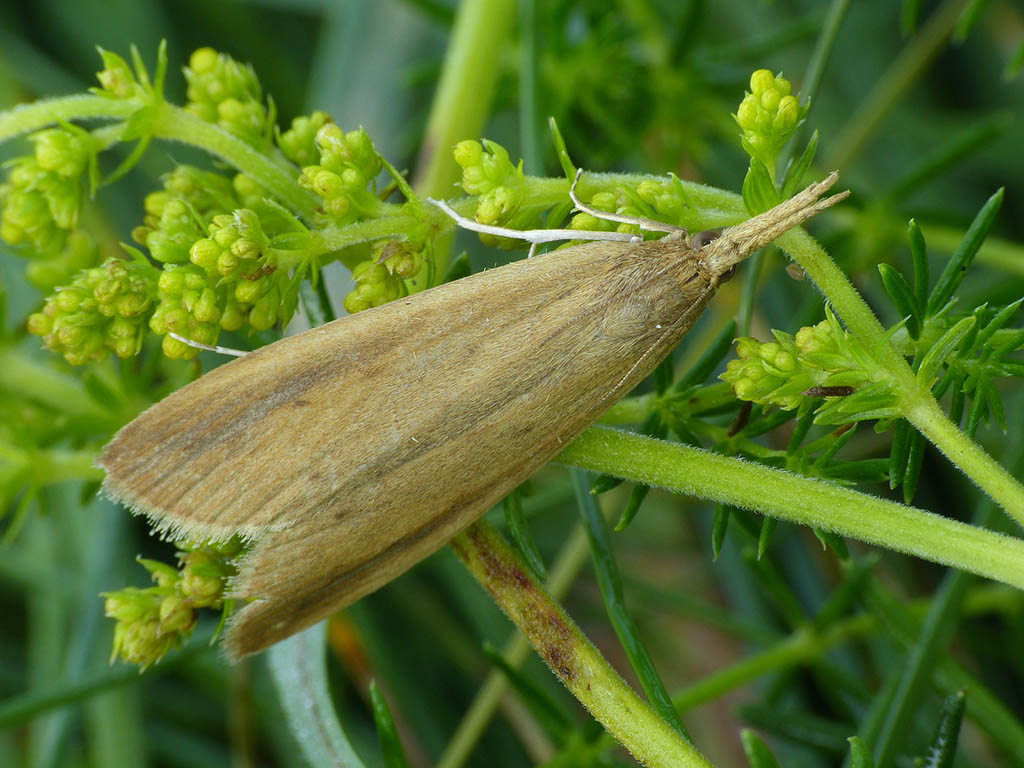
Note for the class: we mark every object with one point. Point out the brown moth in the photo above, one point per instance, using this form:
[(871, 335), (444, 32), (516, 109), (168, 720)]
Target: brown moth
[(350, 452)]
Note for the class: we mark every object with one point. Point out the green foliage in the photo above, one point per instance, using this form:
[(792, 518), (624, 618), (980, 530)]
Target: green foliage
[(236, 202)]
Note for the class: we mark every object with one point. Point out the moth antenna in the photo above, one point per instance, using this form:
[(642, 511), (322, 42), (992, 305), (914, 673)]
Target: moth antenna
[(534, 236), (649, 224), (208, 347)]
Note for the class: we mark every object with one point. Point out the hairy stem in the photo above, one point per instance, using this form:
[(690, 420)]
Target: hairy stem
[(569, 654), (175, 124), (799, 499)]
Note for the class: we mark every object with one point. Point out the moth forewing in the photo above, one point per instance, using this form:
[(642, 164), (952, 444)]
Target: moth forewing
[(350, 452)]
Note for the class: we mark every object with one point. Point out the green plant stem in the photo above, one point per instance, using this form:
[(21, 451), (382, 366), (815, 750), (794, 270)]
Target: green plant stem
[(575, 552), (175, 124), (171, 123), (916, 402), (923, 412), (39, 114), (576, 662), (463, 97), (799, 499)]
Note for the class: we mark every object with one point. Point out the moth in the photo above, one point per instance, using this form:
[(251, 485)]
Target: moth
[(350, 452)]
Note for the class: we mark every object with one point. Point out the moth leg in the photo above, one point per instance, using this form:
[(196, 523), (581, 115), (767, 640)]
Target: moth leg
[(208, 347), (649, 224), (533, 236)]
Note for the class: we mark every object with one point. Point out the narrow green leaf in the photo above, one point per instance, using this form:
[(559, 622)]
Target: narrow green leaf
[(758, 754), (833, 541), (804, 422), (915, 457), (563, 154), (977, 412), (995, 405), (768, 525), (968, 18), (795, 172), (860, 755), (965, 252), (759, 193), (928, 372), (860, 471), (902, 296), (899, 452), (552, 718), (604, 483), (996, 323), (390, 744), (299, 671), (637, 494), (719, 527), (942, 750), (1014, 63), (519, 530), (910, 11), (829, 453), (610, 584), (919, 254), (316, 302)]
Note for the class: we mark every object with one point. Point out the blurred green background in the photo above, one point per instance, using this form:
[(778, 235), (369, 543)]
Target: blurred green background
[(919, 106)]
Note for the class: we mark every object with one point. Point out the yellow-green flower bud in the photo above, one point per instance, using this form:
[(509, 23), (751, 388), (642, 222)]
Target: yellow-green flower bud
[(61, 151), (116, 78), (203, 578), (232, 318), (204, 253), (248, 291), (176, 615), (468, 153)]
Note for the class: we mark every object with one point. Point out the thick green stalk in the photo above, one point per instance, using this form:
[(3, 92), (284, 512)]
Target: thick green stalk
[(569, 654), (463, 98), (799, 499), (175, 124), (575, 552), (39, 114), (171, 123)]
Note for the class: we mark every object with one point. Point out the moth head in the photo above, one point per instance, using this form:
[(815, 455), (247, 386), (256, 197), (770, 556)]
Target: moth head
[(738, 242)]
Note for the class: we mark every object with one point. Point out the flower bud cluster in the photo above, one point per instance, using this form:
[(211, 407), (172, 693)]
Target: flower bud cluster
[(768, 116), (782, 372), (220, 271), (344, 177), (152, 621), (227, 93), (375, 285), (298, 143), (40, 204), (488, 173), (104, 309)]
